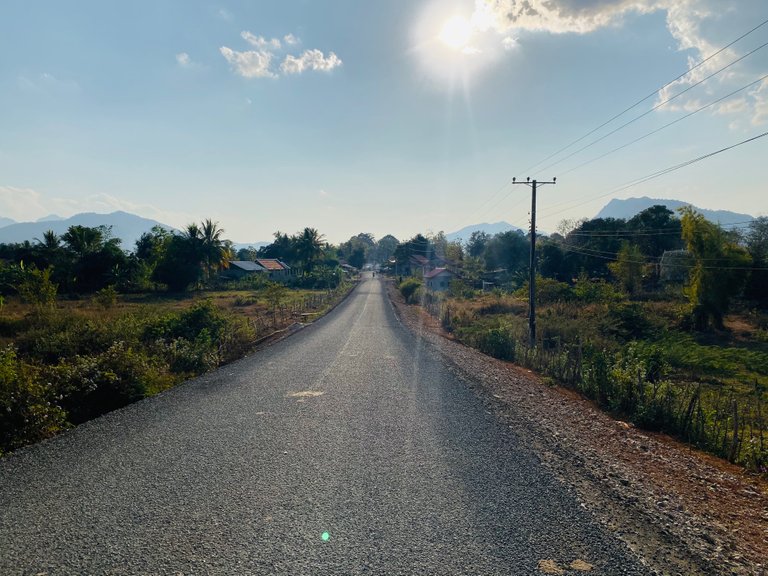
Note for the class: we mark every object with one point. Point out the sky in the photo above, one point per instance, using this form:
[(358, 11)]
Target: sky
[(390, 117)]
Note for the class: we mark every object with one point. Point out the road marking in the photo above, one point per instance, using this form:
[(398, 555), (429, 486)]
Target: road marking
[(305, 394)]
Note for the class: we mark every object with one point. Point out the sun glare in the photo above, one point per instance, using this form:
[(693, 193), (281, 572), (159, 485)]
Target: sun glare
[(456, 33)]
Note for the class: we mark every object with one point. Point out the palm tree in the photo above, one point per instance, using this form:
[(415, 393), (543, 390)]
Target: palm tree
[(83, 239), (310, 247), (50, 242), (215, 251)]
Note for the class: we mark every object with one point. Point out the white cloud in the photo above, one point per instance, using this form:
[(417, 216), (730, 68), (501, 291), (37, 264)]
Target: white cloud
[(27, 205), (260, 42), (183, 60), (699, 26), (509, 43), (310, 60), (258, 63), (249, 64)]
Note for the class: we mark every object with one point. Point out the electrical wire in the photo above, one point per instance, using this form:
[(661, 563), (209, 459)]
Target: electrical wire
[(659, 105), (644, 136), (659, 173), (650, 95)]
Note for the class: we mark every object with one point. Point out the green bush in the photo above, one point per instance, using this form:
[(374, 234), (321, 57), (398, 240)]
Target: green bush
[(106, 297), (28, 408), (626, 321), (497, 342), (410, 288), (591, 291)]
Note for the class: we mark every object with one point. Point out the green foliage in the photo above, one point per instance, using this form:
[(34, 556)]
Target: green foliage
[(719, 271), (37, 289), (28, 409), (460, 289), (106, 297), (90, 386), (626, 321), (410, 288), (590, 291), (628, 267), (498, 342)]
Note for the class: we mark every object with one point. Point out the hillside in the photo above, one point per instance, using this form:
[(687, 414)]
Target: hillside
[(490, 229), (127, 227), (628, 207)]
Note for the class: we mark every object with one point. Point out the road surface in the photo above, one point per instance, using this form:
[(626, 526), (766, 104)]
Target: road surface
[(348, 448)]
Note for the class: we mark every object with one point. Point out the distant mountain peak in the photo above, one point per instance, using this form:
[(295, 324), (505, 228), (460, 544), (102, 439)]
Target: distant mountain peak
[(126, 226), (491, 229), (628, 207), (50, 218)]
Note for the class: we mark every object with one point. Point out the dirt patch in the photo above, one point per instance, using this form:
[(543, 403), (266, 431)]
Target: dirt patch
[(682, 511)]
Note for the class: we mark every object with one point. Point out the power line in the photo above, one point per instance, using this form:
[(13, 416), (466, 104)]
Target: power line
[(613, 256), (662, 172), (666, 125), (655, 92), (659, 105)]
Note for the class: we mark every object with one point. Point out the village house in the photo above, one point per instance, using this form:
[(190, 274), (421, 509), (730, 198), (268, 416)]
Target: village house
[(438, 280)]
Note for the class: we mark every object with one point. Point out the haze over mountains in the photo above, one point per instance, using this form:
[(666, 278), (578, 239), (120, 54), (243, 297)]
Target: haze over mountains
[(130, 227), (628, 207)]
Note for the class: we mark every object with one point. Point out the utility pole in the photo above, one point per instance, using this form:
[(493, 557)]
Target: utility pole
[(532, 279)]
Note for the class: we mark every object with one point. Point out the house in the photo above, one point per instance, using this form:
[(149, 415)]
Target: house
[(276, 269), (418, 262), (438, 279), (241, 268)]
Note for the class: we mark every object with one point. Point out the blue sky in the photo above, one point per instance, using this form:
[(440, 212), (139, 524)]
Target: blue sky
[(384, 117)]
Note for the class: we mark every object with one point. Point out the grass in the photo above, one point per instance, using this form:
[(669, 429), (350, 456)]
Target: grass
[(84, 357), (636, 359)]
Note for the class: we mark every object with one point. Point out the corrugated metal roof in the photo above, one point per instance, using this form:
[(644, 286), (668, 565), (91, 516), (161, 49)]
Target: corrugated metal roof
[(436, 272), (271, 264), (246, 265)]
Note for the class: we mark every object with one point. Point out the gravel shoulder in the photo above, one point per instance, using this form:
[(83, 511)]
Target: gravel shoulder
[(683, 511)]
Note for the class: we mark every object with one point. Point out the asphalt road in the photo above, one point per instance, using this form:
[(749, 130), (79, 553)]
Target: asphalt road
[(348, 448)]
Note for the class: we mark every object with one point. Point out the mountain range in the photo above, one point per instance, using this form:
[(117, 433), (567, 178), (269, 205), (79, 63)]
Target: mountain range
[(628, 207), (128, 227), (490, 229)]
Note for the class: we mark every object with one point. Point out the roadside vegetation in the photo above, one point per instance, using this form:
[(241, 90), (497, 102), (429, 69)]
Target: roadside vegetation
[(677, 345), (86, 328)]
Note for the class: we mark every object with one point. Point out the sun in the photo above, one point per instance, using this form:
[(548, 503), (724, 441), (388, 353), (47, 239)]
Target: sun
[(456, 33)]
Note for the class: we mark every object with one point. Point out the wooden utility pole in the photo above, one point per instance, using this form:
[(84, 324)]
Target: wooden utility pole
[(532, 279)]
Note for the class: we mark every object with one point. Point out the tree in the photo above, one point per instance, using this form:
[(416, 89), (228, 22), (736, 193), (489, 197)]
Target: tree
[(385, 248), (719, 270), (215, 252), (757, 245), (416, 246), (628, 267), (477, 243), (95, 257), (309, 247), (594, 241), (655, 230), (508, 250), (180, 264)]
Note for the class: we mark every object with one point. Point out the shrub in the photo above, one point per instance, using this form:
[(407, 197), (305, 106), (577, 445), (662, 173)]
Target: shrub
[(37, 289), (28, 411), (625, 321), (409, 288), (106, 297), (497, 342)]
